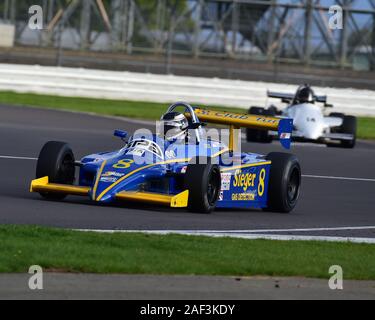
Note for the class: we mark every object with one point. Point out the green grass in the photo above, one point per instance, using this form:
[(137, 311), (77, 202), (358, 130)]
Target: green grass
[(72, 251), (366, 128), (130, 109)]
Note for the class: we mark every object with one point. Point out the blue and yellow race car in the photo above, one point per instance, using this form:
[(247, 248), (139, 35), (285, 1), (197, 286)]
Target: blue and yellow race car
[(182, 165)]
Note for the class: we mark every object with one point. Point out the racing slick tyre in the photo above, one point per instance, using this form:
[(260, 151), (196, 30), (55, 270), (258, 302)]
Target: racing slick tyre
[(261, 136), (204, 184), (284, 182), (56, 161), (349, 127)]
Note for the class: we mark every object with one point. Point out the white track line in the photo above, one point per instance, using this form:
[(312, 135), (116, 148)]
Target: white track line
[(18, 158), (260, 231), (244, 236), (338, 178), (256, 231)]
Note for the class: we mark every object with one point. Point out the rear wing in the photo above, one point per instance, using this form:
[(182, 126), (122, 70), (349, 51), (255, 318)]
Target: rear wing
[(284, 127), (288, 98), (285, 97)]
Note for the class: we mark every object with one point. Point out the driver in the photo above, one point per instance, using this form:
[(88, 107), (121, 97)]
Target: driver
[(304, 95), (174, 127)]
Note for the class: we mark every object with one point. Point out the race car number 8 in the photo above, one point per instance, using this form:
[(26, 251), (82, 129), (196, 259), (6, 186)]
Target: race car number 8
[(261, 187), (123, 164)]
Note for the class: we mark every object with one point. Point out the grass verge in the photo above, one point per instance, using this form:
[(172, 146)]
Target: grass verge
[(130, 109), (366, 128), (73, 251)]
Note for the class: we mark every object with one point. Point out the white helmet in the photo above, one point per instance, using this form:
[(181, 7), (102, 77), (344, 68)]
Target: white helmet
[(175, 126)]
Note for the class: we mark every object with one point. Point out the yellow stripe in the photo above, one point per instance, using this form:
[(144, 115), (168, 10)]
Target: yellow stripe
[(137, 170), (147, 167), (99, 174), (246, 166), (220, 153)]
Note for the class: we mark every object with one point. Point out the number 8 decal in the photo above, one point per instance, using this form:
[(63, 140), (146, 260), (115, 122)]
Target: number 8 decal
[(261, 187), (123, 164)]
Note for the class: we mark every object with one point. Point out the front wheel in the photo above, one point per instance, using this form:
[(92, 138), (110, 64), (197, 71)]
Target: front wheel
[(284, 183), (204, 184), (56, 161)]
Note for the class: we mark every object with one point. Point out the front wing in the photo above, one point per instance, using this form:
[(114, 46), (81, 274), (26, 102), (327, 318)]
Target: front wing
[(328, 136), (175, 201)]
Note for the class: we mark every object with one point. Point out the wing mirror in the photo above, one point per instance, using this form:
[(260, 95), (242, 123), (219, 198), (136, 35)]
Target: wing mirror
[(120, 134)]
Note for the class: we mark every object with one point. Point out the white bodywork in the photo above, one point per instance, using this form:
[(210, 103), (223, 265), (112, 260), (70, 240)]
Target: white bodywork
[(311, 124)]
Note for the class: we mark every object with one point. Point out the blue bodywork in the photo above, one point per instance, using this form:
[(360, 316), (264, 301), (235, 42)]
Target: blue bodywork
[(151, 164)]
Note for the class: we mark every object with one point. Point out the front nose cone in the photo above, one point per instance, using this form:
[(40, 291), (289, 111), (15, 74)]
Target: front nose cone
[(312, 131), (105, 199)]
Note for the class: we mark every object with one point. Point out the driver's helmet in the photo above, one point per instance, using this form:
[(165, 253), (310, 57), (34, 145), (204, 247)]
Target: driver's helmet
[(174, 126), (305, 95)]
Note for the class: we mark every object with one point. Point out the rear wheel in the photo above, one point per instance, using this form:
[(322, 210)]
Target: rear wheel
[(56, 161), (261, 136), (349, 126), (204, 183), (284, 182)]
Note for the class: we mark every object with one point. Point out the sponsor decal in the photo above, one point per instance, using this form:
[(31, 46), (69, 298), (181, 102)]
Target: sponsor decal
[(113, 174), (223, 115), (225, 181), (108, 179), (221, 196), (244, 180), (285, 135), (183, 169), (266, 120), (231, 116), (244, 196)]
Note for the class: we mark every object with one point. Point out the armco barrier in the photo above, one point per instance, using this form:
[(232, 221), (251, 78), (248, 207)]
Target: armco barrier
[(166, 88)]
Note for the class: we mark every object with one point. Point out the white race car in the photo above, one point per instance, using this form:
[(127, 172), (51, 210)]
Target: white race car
[(311, 124)]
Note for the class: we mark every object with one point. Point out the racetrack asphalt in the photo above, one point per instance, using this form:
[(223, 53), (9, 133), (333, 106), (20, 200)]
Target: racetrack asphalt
[(137, 287), (324, 203)]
